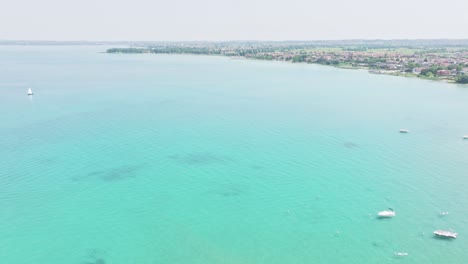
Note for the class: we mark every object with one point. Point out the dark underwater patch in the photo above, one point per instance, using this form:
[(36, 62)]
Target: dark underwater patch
[(228, 191), (198, 158), (350, 145), (256, 167), (95, 256), (118, 174), (111, 175), (96, 261)]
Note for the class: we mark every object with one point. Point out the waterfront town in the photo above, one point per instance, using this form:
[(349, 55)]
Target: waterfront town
[(428, 60), (437, 64)]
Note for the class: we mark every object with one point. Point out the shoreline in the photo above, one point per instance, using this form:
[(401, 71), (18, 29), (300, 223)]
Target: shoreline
[(344, 67)]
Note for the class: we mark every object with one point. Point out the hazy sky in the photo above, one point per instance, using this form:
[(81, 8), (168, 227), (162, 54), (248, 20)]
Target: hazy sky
[(232, 20)]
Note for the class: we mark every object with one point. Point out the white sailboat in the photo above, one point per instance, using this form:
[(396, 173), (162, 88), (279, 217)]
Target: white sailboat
[(447, 234), (30, 92), (386, 213)]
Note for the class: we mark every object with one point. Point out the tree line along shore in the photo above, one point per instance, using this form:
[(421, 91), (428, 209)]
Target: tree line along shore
[(438, 61)]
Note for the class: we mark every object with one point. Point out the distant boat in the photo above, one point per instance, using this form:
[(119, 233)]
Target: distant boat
[(465, 137), (446, 234), (404, 131), (30, 92), (386, 213)]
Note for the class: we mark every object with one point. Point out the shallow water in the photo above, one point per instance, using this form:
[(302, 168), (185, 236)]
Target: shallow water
[(122, 159)]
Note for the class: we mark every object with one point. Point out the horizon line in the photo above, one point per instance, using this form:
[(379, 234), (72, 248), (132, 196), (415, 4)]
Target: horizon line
[(241, 40)]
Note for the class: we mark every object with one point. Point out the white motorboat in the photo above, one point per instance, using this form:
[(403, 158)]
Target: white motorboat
[(465, 137), (404, 131), (30, 92), (386, 213), (446, 234)]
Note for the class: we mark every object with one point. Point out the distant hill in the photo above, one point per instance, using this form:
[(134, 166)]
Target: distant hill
[(377, 43)]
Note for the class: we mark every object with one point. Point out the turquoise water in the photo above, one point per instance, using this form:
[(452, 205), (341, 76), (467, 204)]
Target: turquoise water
[(122, 159)]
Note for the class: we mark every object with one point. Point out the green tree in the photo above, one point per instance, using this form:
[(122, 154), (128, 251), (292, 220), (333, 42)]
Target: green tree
[(299, 58), (432, 71), (462, 79)]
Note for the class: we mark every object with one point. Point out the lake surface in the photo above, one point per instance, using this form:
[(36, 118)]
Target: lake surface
[(169, 159)]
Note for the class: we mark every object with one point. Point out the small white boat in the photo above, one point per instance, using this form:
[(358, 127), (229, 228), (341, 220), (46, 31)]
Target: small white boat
[(446, 234), (401, 254), (465, 137), (30, 92), (386, 213), (404, 131)]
